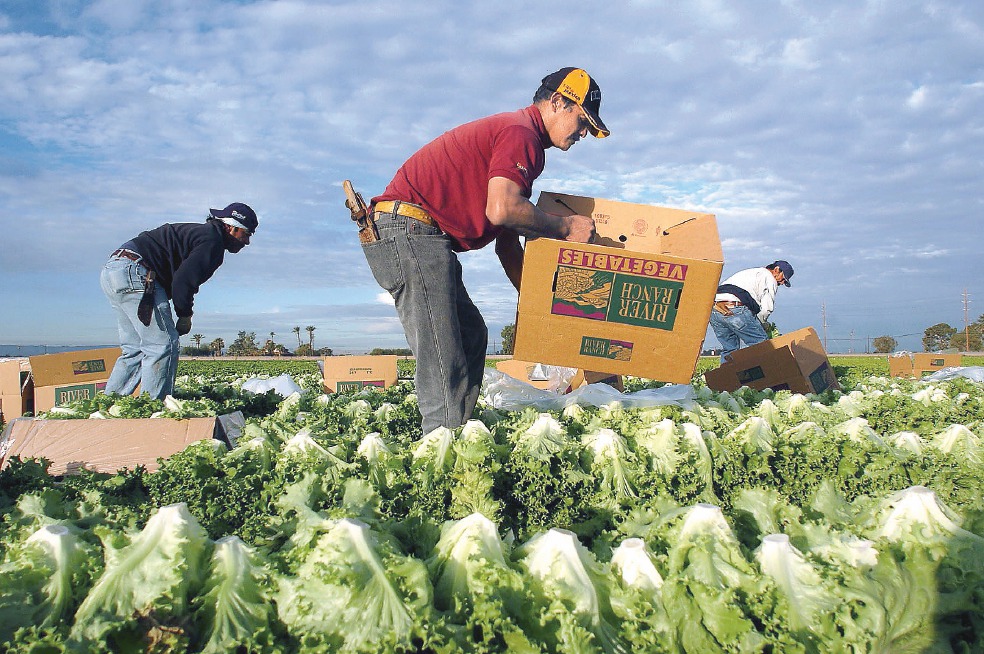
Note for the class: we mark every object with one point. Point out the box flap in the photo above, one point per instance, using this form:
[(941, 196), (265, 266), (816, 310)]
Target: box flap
[(10, 374), (103, 445), (643, 227), (79, 366)]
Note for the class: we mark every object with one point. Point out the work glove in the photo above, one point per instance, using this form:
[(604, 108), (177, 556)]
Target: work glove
[(183, 326)]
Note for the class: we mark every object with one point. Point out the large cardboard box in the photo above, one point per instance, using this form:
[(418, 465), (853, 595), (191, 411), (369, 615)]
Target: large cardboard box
[(68, 376), (926, 363), (104, 445), (351, 373), (795, 362), (635, 302), (42, 382)]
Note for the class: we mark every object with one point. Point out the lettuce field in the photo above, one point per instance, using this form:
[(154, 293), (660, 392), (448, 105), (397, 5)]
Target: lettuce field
[(851, 521)]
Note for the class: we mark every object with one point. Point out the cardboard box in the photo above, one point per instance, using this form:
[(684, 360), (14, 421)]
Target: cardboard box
[(795, 362), (585, 377), (526, 371), (922, 363), (103, 445), (68, 376), (900, 365), (42, 382), (532, 373), (351, 373), (635, 302), (926, 363), (16, 393)]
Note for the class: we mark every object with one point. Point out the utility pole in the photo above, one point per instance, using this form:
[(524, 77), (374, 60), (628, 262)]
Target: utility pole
[(823, 314), (966, 303), (852, 342)]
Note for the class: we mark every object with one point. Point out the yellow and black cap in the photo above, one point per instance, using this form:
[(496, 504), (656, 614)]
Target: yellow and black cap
[(575, 84)]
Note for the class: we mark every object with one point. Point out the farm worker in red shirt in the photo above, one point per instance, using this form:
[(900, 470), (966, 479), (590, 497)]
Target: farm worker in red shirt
[(466, 188)]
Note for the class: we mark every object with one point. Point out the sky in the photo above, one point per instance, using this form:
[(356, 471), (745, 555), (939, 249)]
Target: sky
[(846, 137)]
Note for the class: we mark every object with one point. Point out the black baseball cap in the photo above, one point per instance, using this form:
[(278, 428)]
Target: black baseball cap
[(577, 85), (237, 214)]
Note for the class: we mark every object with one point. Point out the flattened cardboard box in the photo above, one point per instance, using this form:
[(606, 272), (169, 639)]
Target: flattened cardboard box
[(55, 379), (103, 445), (351, 373), (795, 362), (635, 302)]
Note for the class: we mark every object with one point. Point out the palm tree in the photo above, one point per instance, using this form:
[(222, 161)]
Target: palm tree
[(310, 330), (217, 346), (197, 338), (297, 333)]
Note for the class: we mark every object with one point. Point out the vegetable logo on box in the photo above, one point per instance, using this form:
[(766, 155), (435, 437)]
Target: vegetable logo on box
[(606, 348), (618, 289), (88, 367)]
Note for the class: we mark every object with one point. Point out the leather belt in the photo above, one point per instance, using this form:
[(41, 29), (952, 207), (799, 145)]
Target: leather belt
[(724, 307), (127, 254), (407, 210)]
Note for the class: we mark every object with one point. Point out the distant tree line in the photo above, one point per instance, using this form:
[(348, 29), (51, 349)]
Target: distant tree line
[(941, 336), (246, 345)]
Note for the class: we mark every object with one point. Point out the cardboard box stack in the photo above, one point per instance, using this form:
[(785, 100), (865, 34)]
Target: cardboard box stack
[(795, 362), (42, 382), (350, 373), (635, 302)]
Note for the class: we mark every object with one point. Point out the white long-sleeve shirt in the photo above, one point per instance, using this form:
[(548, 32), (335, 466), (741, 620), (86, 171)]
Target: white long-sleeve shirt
[(760, 284)]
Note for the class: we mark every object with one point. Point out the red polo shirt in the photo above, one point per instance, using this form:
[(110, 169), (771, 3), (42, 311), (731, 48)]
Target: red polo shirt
[(449, 177)]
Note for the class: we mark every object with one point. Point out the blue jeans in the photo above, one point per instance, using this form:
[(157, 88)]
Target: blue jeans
[(150, 353), (742, 326), (414, 262)]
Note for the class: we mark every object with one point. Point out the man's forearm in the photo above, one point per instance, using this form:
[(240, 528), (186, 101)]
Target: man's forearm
[(510, 254), (526, 219), (507, 207)]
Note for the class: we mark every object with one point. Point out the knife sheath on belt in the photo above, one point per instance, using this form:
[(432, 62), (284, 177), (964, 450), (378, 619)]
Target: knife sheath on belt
[(145, 312)]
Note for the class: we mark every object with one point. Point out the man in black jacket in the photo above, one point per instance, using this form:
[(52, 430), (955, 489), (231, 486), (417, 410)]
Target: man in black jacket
[(162, 265)]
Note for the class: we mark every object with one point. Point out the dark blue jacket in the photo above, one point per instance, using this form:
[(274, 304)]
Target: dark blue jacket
[(183, 256)]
